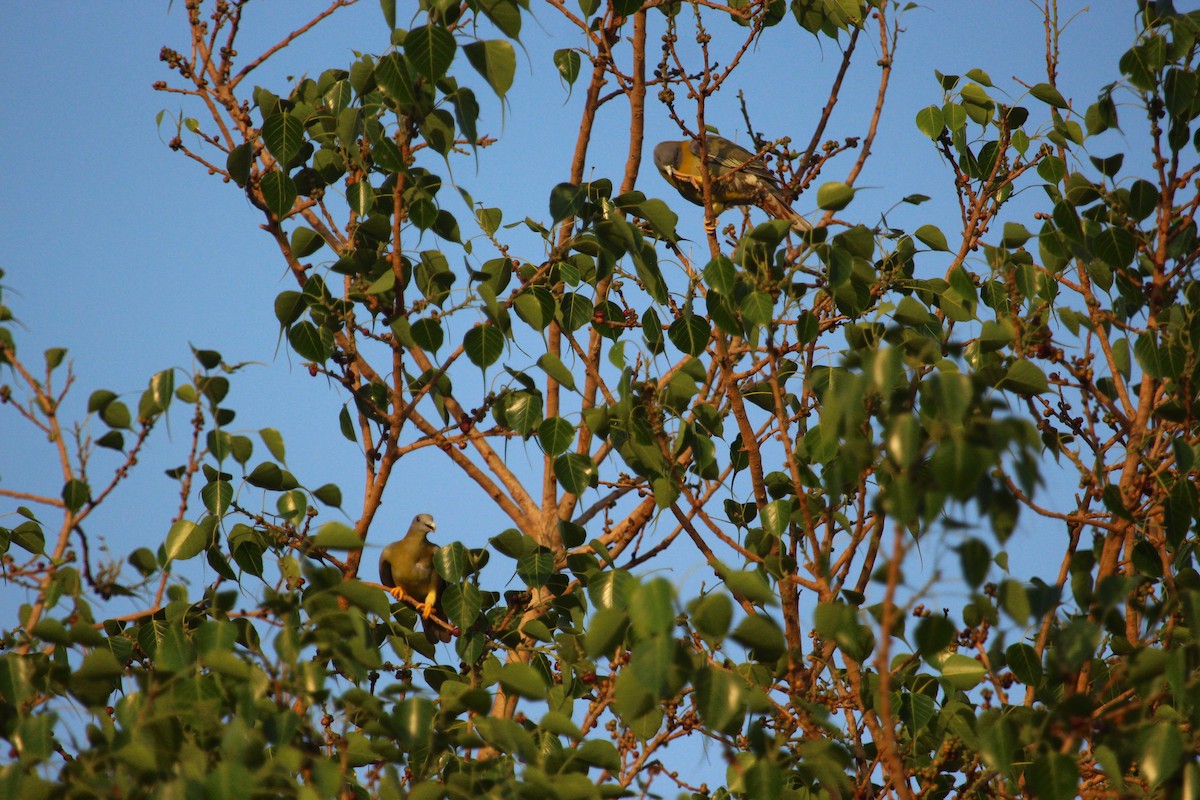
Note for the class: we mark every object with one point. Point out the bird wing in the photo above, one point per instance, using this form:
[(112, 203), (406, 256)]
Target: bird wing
[(725, 157), (385, 566), (745, 180)]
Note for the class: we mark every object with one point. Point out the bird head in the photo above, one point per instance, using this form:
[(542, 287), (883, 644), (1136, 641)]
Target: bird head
[(678, 164), (667, 156), (422, 524)]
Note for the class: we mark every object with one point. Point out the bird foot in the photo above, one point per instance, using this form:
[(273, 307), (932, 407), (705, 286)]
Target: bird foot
[(397, 593), (425, 610), (710, 227)]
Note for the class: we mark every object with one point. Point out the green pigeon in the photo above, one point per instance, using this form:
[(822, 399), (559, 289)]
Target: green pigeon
[(739, 178), (406, 568)]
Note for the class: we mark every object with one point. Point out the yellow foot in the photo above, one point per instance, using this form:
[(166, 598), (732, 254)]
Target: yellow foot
[(397, 593)]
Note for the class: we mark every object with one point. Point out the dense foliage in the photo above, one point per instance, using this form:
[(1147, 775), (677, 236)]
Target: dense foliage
[(799, 411)]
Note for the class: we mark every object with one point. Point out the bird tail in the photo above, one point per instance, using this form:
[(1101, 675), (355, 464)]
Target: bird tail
[(776, 207), (435, 632), (436, 627)]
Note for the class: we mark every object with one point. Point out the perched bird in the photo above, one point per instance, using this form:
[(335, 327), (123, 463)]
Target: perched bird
[(739, 178), (406, 568)]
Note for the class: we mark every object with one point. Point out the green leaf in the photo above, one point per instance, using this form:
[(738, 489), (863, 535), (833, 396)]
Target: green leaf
[(336, 536), (489, 219), (713, 614), (576, 472), (1015, 600), (1049, 95), (430, 50), (427, 334), (279, 192), (346, 425), (1160, 752), (610, 589), (1166, 361), (654, 601), (535, 306), (288, 307), (751, 585), (99, 400), (834, 196), (690, 333), (462, 602), (838, 622), (414, 718), (719, 699), (523, 411), (776, 515), (1053, 777), (1179, 91), (28, 536), (762, 636), (757, 308), (75, 493), (1109, 167), (599, 753), (365, 597), (1024, 662), (1052, 169), (116, 415), (932, 237), (185, 540), (721, 275), (98, 675), (638, 685), (553, 366), (931, 122), (268, 475), (273, 439), (535, 566), (308, 342), (916, 710), (645, 261), (963, 672), (496, 61), (522, 679), (452, 562), (1116, 247), (484, 345), (505, 14), (112, 440), (560, 725), (217, 496), (283, 134), (605, 631), (555, 434), (1024, 377), (566, 199), (361, 198), (934, 634), (392, 75), (576, 311), (1015, 234), (239, 162)]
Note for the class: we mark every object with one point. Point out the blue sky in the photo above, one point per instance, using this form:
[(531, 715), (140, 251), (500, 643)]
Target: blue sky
[(124, 251)]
